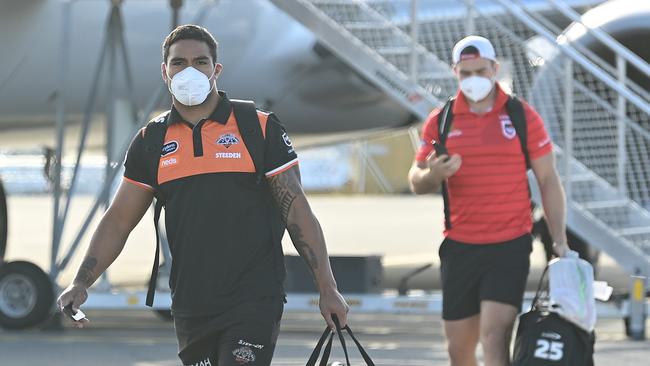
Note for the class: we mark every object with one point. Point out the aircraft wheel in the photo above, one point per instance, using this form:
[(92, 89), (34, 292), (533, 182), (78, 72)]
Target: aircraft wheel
[(3, 223), (26, 295)]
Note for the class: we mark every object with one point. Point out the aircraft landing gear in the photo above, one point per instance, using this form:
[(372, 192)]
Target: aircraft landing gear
[(26, 295)]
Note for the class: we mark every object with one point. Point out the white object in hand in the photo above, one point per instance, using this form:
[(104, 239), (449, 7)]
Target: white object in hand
[(571, 282), (79, 315), (602, 291)]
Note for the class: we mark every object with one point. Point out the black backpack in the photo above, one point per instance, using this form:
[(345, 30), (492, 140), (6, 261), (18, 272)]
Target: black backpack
[(154, 136), (515, 110), (546, 339)]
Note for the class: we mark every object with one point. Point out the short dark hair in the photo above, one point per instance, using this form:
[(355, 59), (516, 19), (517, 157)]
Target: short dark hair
[(190, 31), (470, 50)]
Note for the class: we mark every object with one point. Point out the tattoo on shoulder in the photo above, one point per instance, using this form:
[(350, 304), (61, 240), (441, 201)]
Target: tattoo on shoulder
[(303, 247), (86, 274), (285, 188)]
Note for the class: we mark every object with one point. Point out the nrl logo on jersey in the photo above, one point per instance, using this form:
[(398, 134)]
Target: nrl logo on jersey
[(507, 127), (227, 140)]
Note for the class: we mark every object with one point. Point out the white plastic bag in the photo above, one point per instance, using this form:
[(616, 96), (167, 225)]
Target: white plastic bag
[(571, 290)]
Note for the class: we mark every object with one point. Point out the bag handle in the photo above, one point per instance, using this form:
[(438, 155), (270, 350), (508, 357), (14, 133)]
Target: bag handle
[(319, 346), (539, 289), (337, 324), (327, 351), (363, 352), (328, 333)]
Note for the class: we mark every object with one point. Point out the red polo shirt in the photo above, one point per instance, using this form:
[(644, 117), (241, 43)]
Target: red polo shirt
[(488, 195)]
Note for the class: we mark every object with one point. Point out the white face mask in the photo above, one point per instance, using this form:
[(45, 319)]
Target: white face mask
[(190, 86), (476, 88)]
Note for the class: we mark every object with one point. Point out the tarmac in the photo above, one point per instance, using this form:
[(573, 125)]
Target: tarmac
[(139, 338), (405, 230)]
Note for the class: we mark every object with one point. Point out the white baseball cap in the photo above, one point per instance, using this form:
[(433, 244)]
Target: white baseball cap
[(482, 48)]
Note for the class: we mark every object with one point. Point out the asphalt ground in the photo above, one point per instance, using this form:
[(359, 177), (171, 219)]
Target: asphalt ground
[(140, 338), (405, 230)]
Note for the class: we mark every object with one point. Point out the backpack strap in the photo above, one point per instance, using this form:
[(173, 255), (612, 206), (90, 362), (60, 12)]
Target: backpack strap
[(153, 280), (154, 137), (517, 115), (249, 127), (251, 132), (538, 294), (445, 119)]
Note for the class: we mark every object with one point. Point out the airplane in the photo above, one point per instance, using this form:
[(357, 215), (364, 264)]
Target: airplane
[(267, 56)]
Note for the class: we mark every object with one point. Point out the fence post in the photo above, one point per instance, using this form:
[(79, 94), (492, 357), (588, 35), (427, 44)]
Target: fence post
[(470, 25), (568, 126), (620, 123), (414, 40), (637, 307)]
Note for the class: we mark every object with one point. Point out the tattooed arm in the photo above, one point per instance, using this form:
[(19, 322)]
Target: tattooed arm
[(307, 236), (126, 210)]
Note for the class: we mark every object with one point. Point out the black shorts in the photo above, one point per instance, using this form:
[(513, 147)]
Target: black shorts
[(472, 273), (243, 335)]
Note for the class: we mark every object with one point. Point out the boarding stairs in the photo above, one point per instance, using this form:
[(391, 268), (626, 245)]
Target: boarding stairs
[(602, 154)]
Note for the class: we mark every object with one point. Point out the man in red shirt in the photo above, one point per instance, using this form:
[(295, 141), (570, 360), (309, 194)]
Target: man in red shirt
[(485, 255)]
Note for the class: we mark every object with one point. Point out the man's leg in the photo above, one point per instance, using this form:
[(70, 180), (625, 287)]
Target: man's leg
[(460, 270), (501, 293), (251, 339), (497, 320), (196, 338), (255, 348), (462, 339)]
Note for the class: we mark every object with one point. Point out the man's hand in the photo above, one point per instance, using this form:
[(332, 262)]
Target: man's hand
[(443, 166), (427, 176), (561, 249), (74, 295), (332, 302)]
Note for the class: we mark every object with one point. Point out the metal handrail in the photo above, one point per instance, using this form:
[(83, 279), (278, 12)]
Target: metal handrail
[(602, 36), (322, 21), (576, 56), (420, 49)]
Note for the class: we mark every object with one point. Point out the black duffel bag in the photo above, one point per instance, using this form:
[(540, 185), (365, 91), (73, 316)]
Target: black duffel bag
[(546, 339)]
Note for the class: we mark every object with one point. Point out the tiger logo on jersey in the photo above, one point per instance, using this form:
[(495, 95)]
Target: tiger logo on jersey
[(244, 355), (507, 127)]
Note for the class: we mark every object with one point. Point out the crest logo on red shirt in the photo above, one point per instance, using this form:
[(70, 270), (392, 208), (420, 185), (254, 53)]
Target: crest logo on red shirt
[(506, 127)]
